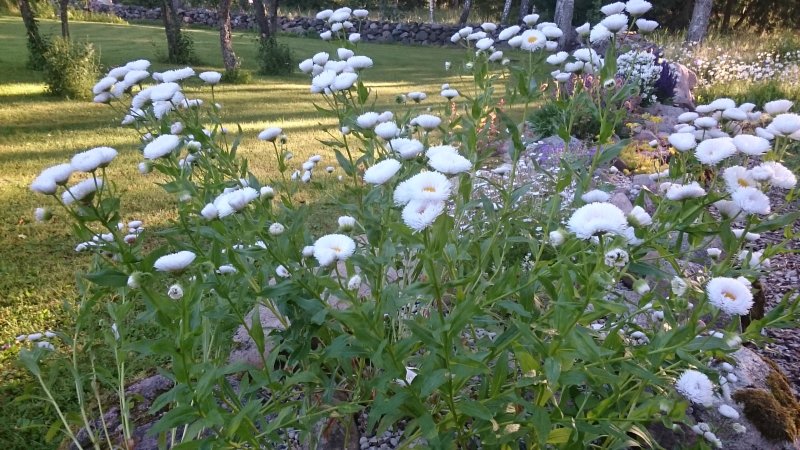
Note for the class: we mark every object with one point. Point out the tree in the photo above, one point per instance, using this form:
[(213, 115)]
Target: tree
[(524, 8), (36, 44), (179, 46), (261, 19), (63, 9), (700, 17), (563, 18), (465, 12), (506, 12), (228, 56)]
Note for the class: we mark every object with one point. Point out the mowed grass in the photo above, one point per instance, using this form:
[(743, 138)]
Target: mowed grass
[(38, 266)]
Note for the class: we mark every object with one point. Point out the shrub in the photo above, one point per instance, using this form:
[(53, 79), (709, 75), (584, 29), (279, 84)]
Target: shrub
[(237, 76), (70, 68), (274, 58)]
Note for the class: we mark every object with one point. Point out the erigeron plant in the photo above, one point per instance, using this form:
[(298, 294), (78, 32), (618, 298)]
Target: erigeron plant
[(418, 309)]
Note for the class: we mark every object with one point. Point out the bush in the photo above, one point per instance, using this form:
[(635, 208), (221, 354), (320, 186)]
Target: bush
[(70, 68), (237, 76), (274, 58)]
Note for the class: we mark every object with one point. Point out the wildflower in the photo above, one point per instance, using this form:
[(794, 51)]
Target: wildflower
[(333, 247), (751, 145), (712, 151), (93, 159), (728, 208), (696, 387), (713, 252), (386, 130), (209, 212), (81, 191), (45, 345), (776, 107), (324, 14), (729, 295), (552, 32), (530, 19), (728, 412), (638, 216), (346, 223), (615, 23), (595, 195), (382, 171), (210, 77), (42, 214), (135, 280), (306, 65), (57, 175), (737, 177), (354, 38), (739, 232), (786, 123), (449, 94), (646, 26), (164, 92), (145, 167), (678, 192), (360, 13), (323, 80), (326, 35), (174, 262), (484, 44), (678, 286), (282, 272), (613, 8), (176, 75), (359, 62), (508, 33), (557, 58), (761, 132), (344, 81), (276, 229), (427, 121), (175, 292), (754, 260), (425, 186), (354, 282), (420, 214), (599, 33), (597, 218), (751, 200), (533, 40), (449, 163), (161, 146), (780, 176), (616, 258)]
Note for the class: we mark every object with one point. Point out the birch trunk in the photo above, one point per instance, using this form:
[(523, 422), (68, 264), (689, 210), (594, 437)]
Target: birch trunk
[(524, 9), (506, 12), (563, 18), (701, 14)]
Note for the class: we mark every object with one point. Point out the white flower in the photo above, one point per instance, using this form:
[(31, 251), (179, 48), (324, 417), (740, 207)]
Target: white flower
[(641, 287), (308, 251), (177, 75), (346, 223), (713, 252), (530, 19), (449, 163), (638, 216), (344, 53), (597, 218), (226, 269), (729, 295), (705, 122), (599, 33), (134, 280), (557, 58), (712, 151), (209, 212), (386, 130), (751, 145), (515, 42), (276, 229), (385, 116), (270, 134), (266, 192), (646, 26), (552, 32), (786, 123), (367, 120), (728, 412), (615, 23), (449, 93), (696, 387), (354, 38), (103, 85), (754, 260), (425, 186), (507, 33), (46, 345), (678, 286), (728, 208), (361, 13), (688, 117), (616, 258), (557, 238), (406, 148), (354, 282), (751, 200), (210, 77), (382, 171), (778, 107), (333, 247), (344, 81), (780, 176), (417, 96), (533, 40), (583, 30), (93, 159), (161, 146), (282, 272), (56, 175), (175, 292), (762, 132), (306, 65), (81, 191), (722, 104), (323, 80), (420, 214), (613, 8), (682, 141), (737, 177), (174, 262), (427, 121), (441, 149), (678, 192), (324, 14), (359, 62), (476, 36), (484, 44), (326, 35), (595, 195), (42, 214), (320, 58)]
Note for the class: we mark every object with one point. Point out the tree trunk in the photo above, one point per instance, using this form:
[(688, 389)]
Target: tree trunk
[(261, 19), (727, 10), (524, 8), (63, 9), (228, 56), (465, 12), (172, 27), (701, 14), (431, 4), (273, 17), (36, 45), (506, 12), (563, 18)]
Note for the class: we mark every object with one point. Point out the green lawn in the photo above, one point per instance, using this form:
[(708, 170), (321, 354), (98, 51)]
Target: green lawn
[(37, 263)]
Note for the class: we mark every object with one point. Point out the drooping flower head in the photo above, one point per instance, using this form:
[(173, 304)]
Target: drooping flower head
[(597, 218), (174, 262)]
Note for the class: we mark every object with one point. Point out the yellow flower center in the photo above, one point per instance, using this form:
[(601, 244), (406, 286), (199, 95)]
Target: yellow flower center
[(337, 249), (743, 182), (532, 39), (429, 189), (729, 296)]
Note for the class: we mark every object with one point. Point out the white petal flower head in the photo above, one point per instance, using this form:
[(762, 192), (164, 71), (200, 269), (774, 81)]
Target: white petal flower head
[(677, 192), (776, 107), (696, 387), (530, 19), (449, 163), (753, 260), (323, 80), (751, 145), (595, 195), (613, 8), (325, 14), (326, 35), (174, 262), (508, 33), (786, 123), (728, 411), (210, 77), (638, 216), (354, 38), (449, 94), (427, 121), (682, 141), (81, 191), (729, 295), (597, 218), (58, 174), (93, 159), (552, 32), (712, 151), (424, 186), (367, 120), (737, 177), (333, 247), (417, 96), (171, 76), (406, 148), (646, 26), (557, 58), (103, 85), (354, 282), (735, 114), (420, 214), (346, 223), (780, 176), (282, 272), (382, 172), (533, 40), (751, 200), (688, 117), (515, 41), (705, 122), (441, 149), (360, 13), (359, 62), (387, 130), (599, 34), (728, 208), (306, 66), (209, 212), (722, 104), (484, 44), (270, 134), (344, 81), (557, 238), (615, 23), (161, 146)]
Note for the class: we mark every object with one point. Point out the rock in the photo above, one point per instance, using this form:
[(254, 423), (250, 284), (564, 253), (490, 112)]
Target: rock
[(687, 80), (644, 180), (620, 200), (245, 348), (421, 36), (335, 434), (668, 114)]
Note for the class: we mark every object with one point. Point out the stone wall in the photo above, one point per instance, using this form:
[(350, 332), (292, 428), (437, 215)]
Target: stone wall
[(371, 30)]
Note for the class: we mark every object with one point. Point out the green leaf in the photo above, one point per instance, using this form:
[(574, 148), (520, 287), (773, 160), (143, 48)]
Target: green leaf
[(559, 436), (108, 278), (474, 409)]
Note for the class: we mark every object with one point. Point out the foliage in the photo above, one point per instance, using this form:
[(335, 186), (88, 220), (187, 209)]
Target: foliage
[(70, 68), (274, 58), (237, 76), (37, 46)]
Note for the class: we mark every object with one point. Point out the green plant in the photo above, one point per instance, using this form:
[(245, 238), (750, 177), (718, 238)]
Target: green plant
[(70, 68), (274, 58), (237, 76)]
